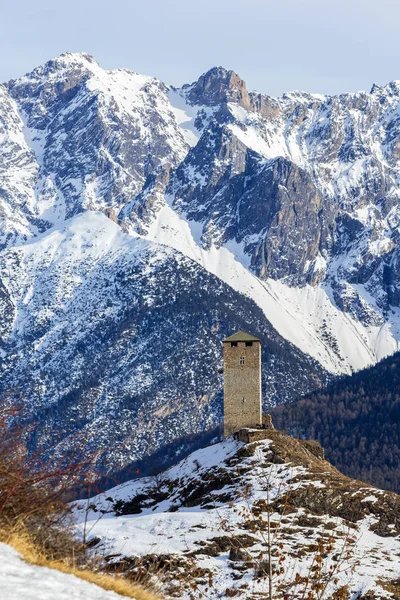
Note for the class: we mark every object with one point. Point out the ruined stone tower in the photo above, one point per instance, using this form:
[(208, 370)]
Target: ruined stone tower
[(242, 382)]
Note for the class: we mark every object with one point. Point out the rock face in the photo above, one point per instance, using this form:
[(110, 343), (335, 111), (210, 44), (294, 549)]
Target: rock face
[(218, 86), (274, 215), (249, 198), (82, 138), (206, 522), (322, 179)]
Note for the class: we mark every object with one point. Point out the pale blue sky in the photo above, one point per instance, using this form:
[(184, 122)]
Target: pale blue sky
[(276, 46)]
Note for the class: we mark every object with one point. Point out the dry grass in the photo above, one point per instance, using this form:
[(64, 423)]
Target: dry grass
[(34, 514), (117, 584), (392, 586)]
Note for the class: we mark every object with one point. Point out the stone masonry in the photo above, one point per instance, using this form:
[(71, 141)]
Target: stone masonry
[(242, 382)]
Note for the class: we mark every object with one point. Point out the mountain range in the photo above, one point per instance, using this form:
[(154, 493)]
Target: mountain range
[(141, 223)]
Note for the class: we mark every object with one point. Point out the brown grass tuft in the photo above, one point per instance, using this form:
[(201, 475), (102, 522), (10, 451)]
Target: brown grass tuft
[(116, 584)]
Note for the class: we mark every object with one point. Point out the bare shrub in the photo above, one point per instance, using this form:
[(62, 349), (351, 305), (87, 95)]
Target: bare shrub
[(34, 509)]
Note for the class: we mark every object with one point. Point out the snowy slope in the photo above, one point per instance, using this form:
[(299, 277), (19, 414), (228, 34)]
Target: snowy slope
[(20, 580), (100, 334), (80, 137), (306, 316), (208, 515)]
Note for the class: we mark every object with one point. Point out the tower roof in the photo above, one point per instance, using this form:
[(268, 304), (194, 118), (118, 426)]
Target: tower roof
[(241, 336)]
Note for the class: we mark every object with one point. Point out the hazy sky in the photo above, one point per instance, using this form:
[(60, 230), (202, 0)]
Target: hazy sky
[(276, 46)]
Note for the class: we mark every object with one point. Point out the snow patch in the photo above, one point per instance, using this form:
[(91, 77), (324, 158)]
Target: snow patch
[(185, 115), (20, 580)]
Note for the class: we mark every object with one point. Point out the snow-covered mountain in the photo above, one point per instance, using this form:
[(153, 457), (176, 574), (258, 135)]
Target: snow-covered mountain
[(201, 526), (140, 223), (114, 341)]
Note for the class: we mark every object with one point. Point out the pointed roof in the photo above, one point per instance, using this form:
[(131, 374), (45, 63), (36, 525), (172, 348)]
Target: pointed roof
[(242, 336)]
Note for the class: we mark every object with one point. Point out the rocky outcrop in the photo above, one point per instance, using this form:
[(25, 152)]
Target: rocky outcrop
[(273, 208), (216, 87), (277, 493)]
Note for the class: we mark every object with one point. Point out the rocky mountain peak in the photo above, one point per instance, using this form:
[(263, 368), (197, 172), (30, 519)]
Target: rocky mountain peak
[(391, 89), (46, 84), (66, 59), (218, 86), (57, 69)]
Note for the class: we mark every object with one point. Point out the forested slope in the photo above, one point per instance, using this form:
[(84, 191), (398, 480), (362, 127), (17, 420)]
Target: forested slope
[(356, 420)]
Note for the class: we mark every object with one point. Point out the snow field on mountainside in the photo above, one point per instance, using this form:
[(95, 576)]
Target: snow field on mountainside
[(79, 246), (300, 315)]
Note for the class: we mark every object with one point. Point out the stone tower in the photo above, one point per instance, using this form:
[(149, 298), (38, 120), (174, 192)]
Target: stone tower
[(242, 382)]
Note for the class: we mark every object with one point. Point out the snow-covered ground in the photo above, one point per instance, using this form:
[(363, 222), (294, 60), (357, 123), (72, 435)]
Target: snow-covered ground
[(180, 527), (20, 580)]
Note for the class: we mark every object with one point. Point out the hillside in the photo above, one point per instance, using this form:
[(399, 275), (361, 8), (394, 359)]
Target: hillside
[(357, 421), (87, 294), (200, 528)]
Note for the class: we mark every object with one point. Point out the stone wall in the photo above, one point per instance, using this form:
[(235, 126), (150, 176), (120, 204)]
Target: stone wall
[(242, 386), (252, 435)]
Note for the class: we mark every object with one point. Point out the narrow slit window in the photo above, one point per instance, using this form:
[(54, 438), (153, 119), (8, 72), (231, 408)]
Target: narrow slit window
[(242, 360)]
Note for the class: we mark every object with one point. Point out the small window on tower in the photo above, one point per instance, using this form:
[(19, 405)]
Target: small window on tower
[(242, 360), (233, 344), (248, 344)]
